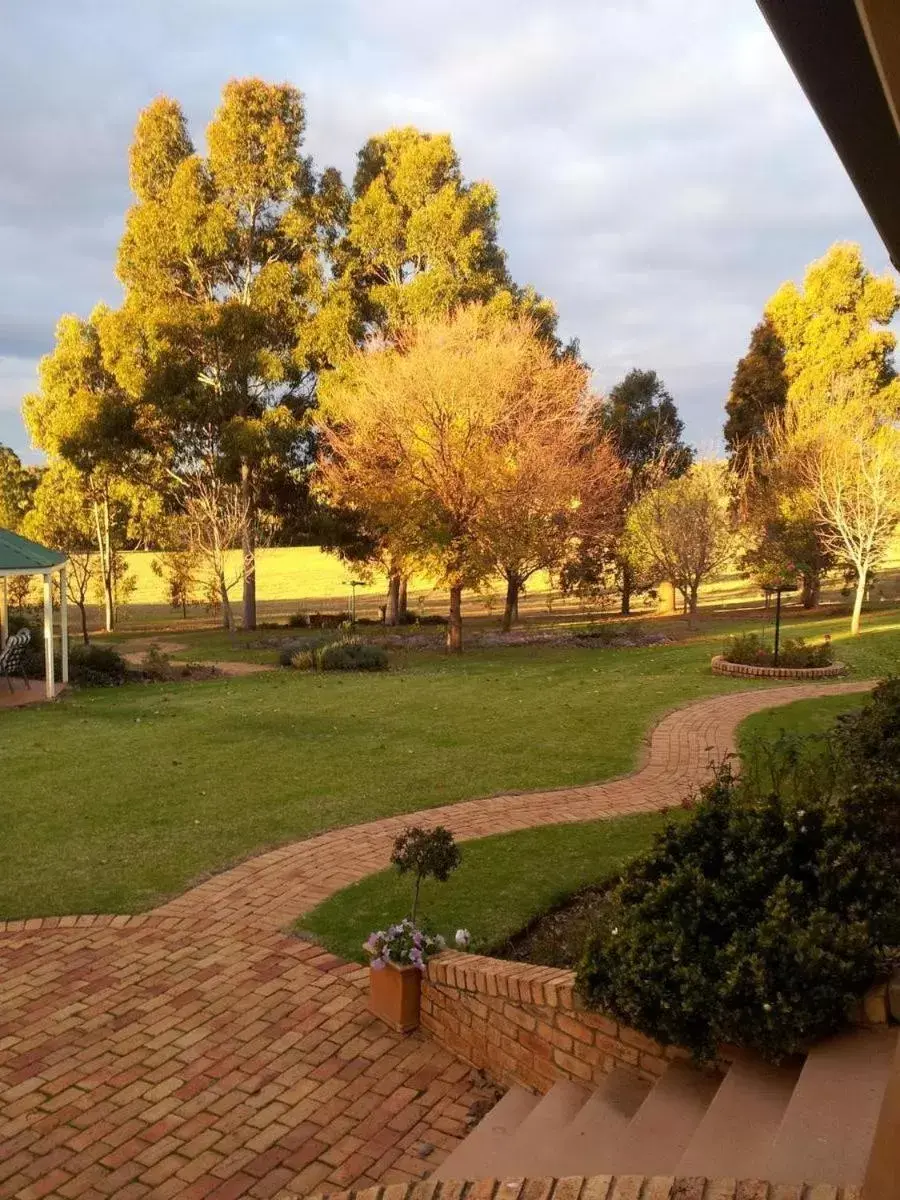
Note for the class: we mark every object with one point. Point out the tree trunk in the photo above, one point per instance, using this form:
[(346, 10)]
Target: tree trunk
[(227, 614), (84, 629), (402, 593), (454, 628), (392, 608), (511, 611), (627, 587), (665, 604), (692, 599), (248, 548), (102, 531), (858, 599), (809, 597)]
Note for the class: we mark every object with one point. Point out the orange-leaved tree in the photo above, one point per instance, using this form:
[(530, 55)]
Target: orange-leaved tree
[(434, 438)]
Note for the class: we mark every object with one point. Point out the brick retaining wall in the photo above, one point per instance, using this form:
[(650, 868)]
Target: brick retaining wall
[(521, 1023), (721, 666)]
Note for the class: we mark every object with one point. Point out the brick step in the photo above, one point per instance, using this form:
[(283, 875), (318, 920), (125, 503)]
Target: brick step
[(474, 1157), (829, 1124), (662, 1128), (535, 1148), (593, 1135), (736, 1134)]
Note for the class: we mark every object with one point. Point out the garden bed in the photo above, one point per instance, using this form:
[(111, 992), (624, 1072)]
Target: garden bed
[(557, 937), (721, 666)]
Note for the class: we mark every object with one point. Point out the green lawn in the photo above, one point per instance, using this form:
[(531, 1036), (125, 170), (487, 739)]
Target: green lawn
[(502, 884), (115, 799), (806, 716)]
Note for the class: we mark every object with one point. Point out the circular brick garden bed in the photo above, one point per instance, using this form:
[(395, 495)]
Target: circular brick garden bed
[(721, 666)]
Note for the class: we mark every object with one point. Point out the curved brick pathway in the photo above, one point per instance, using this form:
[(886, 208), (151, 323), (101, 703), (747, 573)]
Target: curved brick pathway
[(198, 1051)]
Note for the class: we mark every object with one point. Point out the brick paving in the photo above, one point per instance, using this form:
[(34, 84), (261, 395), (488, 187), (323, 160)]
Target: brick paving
[(197, 1051)]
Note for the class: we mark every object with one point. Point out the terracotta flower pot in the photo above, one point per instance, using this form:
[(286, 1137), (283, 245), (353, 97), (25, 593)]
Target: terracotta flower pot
[(394, 996)]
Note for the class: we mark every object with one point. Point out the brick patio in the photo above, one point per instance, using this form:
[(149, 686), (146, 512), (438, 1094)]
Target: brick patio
[(198, 1051)]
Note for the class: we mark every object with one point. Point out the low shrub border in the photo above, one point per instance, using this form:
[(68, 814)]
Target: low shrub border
[(524, 1024), (721, 666)]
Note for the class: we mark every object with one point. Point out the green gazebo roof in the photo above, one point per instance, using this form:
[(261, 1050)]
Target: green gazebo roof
[(18, 554)]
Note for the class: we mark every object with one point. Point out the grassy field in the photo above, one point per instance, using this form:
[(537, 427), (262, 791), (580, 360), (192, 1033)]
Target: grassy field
[(115, 799), (502, 883), (304, 577)]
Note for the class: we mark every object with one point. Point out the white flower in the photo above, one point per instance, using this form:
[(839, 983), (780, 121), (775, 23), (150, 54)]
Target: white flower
[(614, 930), (463, 938)]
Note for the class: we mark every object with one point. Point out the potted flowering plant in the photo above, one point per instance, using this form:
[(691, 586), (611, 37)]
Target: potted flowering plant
[(397, 955), (397, 958)]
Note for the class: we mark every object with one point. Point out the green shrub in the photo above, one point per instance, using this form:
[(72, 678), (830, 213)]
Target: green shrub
[(756, 922), (330, 654), (750, 650), (292, 647), (298, 620), (352, 654), (867, 742), (96, 666)]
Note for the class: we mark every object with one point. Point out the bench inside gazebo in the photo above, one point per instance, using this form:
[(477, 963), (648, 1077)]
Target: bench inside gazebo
[(19, 556)]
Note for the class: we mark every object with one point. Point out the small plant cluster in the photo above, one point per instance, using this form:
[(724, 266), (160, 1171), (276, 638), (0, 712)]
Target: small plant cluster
[(157, 667), (750, 650), (760, 919), (403, 944), (607, 633), (318, 620), (342, 654), (96, 666)]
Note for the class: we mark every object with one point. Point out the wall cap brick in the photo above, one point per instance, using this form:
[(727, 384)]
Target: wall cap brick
[(596, 1187)]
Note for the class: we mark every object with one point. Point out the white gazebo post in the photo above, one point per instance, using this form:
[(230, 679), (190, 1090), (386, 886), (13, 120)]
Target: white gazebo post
[(50, 667), (64, 621), (4, 612)]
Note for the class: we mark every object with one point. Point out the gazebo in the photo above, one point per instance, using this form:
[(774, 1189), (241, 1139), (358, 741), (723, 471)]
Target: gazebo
[(19, 556)]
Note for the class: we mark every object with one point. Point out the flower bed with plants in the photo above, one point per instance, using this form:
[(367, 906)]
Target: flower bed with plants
[(747, 654)]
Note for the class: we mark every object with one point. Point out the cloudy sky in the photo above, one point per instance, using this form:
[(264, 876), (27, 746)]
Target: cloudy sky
[(659, 170)]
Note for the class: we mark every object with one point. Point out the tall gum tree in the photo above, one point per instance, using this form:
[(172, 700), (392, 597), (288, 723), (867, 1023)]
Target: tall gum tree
[(841, 385), (82, 415), (226, 322), (641, 420), (421, 241), (780, 529)]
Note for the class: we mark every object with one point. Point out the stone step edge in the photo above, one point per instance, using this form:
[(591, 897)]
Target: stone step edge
[(597, 1187)]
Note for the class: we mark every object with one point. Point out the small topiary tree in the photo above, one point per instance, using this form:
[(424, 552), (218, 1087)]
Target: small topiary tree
[(756, 922), (428, 854)]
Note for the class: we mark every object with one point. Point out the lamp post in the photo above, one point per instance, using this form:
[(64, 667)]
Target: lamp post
[(354, 584)]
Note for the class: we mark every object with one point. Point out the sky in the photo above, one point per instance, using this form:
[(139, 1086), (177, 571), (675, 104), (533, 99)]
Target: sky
[(659, 170)]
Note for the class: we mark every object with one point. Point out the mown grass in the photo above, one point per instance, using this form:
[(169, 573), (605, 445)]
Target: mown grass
[(502, 884), (115, 799)]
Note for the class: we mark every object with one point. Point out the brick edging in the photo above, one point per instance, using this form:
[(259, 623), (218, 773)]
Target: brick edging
[(595, 1187), (721, 666)]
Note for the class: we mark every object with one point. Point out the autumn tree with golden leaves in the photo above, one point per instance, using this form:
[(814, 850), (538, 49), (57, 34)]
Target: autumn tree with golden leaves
[(465, 440)]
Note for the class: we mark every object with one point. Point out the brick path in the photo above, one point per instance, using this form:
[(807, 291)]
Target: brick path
[(197, 1051)]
